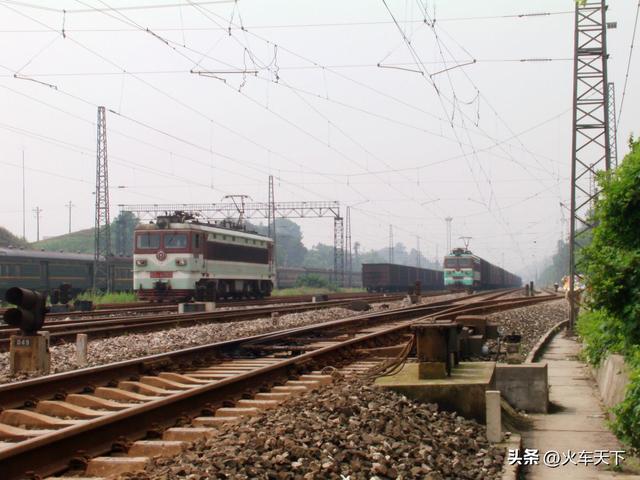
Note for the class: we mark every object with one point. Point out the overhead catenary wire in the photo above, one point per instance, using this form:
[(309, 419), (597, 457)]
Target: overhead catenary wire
[(363, 172), (626, 76)]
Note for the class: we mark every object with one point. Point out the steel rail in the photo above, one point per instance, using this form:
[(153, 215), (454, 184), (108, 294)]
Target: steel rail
[(16, 393), (107, 326), (50, 453)]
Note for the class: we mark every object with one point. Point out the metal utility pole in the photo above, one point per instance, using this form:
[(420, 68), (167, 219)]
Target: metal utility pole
[(102, 228), (349, 258), (37, 211), (448, 220), (24, 207), (338, 251), (391, 259), (418, 254), (590, 142), (271, 222), (69, 205), (613, 128)]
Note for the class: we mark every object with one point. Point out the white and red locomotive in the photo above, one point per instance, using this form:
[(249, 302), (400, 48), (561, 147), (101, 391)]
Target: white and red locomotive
[(178, 258)]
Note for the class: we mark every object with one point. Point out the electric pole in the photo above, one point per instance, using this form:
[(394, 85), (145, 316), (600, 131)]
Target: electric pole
[(102, 229), (448, 220), (418, 254), (37, 211), (590, 143), (24, 207), (613, 127), (271, 225), (69, 205), (348, 240), (391, 244)]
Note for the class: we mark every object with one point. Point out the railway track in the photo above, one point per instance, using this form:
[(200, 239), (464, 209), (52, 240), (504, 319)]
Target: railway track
[(154, 307), (65, 331), (51, 422)]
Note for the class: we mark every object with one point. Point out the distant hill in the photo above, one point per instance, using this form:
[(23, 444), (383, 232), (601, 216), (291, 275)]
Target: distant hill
[(76, 242), (7, 238)]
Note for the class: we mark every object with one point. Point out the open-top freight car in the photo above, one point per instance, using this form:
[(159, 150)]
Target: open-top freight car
[(178, 258), (46, 271), (388, 277), (465, 271)]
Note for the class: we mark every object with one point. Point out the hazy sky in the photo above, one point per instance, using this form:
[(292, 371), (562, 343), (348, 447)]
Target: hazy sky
[(330, 97)]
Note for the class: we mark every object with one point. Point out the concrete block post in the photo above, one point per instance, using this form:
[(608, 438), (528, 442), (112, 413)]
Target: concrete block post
[(494, 420), (275, 319), (81, 349), (47, 338)]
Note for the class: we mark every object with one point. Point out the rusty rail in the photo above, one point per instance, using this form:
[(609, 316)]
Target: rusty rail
[(51, 452)]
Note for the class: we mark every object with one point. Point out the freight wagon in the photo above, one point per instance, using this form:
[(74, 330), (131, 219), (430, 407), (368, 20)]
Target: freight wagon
[(465, 271), (387, 277), (45, 271), (287, 276)]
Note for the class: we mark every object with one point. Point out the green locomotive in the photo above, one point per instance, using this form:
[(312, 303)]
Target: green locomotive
[(465, 271)]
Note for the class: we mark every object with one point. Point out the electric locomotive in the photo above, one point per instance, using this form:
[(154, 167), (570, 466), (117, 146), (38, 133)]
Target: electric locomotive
[(465, 271), (178, 258)]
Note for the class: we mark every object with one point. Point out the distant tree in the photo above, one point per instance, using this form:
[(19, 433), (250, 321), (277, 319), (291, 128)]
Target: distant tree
[(122, 228), (7, 238), (320, 256), (314, 281), (290, 252)]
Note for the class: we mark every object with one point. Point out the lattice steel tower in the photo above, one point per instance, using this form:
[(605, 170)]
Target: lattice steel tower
[(271, 222), (338, 251), (349, 256), (102, 239), (613, 127), (591, 147)]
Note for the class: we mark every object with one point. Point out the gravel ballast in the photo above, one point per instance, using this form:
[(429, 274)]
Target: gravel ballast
[(350, 429), (531, 322), (128, 346), (124, 347)]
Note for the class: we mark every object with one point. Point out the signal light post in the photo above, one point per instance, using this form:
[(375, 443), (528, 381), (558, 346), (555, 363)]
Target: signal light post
[(29, 351)]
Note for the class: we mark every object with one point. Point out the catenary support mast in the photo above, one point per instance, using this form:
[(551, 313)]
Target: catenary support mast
[(590, 142), (102, 233)]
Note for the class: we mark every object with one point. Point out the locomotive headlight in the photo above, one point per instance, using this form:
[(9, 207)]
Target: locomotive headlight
[(181, 262), (141, 262)]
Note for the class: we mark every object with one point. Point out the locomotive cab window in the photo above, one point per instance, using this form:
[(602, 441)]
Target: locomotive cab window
[(450, 262), (148, 240), (175, 240), (466, 263)]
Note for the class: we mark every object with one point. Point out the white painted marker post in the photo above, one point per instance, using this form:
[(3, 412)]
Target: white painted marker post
[(494, 420), (81, 349)]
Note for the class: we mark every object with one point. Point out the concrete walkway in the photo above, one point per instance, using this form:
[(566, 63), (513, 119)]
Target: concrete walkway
[(576, 421)]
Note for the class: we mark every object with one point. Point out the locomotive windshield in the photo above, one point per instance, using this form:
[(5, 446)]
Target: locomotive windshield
[(175, 240), (148, 240), (458, 262), (465, 262), (450, 262)]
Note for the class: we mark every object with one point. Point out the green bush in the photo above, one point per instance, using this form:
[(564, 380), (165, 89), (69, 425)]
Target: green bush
[(115, 297), (611, 264), (627, 413), (315, 281), (601, 333)]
